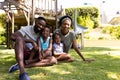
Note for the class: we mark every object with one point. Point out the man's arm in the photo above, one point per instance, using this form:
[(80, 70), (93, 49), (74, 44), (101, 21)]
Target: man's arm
[(17, 34)]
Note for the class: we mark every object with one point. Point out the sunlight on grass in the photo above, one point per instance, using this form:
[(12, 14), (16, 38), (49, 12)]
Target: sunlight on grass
[(60, 71), (113, 76), (113, 53)]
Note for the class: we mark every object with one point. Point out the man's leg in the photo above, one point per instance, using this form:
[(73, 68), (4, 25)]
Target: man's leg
[(19, 54)]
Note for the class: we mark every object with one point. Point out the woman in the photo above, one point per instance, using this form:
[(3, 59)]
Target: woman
[(68, 37)]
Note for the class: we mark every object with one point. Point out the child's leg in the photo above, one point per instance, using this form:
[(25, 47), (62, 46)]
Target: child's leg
[(65, 57)]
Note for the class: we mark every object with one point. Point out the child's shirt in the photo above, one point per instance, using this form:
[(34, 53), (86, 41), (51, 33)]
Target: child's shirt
[(58, 48), (44, 45)]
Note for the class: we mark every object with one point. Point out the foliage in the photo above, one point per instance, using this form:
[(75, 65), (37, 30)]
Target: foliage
[(114, 31), (86, 21), (86, 16), (2, 29)]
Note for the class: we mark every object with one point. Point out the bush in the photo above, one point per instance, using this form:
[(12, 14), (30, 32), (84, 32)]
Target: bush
[(86, 16), (114, 31), (2, 29)]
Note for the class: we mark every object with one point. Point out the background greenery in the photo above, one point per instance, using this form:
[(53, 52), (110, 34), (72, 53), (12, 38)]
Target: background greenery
[(2, 29), (86, 16)]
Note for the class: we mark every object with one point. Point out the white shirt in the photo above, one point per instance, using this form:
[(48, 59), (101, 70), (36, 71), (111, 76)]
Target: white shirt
[(58, 48), (28, 33)]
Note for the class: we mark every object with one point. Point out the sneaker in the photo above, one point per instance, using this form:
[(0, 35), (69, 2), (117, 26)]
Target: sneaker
[(13, 68), (24, 76)]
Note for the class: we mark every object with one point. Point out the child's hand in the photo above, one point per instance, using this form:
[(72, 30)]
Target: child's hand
[(40, 55)]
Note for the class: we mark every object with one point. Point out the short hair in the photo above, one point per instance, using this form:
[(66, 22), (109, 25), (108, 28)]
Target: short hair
[(41, 18), (63, 17)]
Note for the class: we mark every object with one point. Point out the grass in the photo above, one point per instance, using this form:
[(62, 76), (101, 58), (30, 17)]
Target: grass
[(105, 67)]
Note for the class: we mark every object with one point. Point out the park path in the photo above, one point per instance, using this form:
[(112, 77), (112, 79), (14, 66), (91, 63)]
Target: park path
[(111, 43)]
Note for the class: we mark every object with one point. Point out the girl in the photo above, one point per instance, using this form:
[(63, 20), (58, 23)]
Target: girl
[(58, 49)]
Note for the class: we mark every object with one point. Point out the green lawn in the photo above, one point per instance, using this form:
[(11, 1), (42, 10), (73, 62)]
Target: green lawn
[(105, 67)]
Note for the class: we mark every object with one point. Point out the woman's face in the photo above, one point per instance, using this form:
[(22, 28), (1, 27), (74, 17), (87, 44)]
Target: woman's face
[(65, 26)]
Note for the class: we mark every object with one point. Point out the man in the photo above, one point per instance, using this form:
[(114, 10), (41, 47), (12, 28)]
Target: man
[(25, 40)]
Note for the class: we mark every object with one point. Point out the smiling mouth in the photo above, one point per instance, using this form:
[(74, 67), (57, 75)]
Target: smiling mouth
[(39, 28)]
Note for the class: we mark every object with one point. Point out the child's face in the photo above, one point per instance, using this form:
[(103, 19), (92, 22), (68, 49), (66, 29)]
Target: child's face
[(57, 39), (46, 32)]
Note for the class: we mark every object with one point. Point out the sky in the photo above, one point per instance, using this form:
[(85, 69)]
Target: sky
[(110, 7)]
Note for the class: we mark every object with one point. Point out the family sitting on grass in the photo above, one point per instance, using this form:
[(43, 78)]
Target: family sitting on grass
[(35, 47)]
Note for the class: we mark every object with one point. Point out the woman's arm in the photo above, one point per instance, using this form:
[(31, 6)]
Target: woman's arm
[(77, 50)]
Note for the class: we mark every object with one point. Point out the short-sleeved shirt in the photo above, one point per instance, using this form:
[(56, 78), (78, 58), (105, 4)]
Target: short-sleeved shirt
[(66, 39), (28, 33), (58, 48), (44, 45)]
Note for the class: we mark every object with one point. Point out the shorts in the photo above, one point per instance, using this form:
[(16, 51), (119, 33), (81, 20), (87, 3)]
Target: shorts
[(27, 53)]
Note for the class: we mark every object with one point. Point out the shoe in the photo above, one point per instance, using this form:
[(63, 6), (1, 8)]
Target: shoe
[(13, 68), (24, 76)]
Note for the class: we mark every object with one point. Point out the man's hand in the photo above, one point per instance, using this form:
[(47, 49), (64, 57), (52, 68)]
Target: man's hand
[(35, 46)]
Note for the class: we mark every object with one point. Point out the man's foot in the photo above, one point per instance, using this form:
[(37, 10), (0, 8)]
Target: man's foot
[(24, 76), (13, 68)]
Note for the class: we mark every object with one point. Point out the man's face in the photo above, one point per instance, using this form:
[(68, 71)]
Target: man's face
[(39, 25)]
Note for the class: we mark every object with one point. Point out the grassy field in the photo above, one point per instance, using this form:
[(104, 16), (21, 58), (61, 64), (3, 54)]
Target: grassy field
[(105, 67)]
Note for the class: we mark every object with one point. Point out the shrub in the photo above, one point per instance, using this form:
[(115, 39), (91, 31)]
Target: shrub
[(114, 31), (86, 16), (2, 29)]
